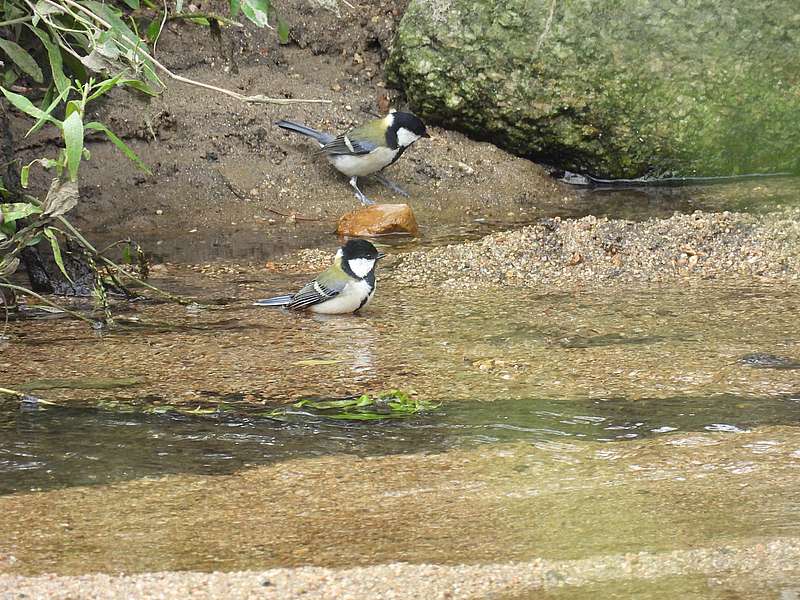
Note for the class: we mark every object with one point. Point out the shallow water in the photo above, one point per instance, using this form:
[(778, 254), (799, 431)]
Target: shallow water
[(632, 343), (52, 447), (495, 503), (443, 225), (572, 424)]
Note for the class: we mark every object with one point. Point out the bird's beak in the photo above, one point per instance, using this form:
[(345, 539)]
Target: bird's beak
[(426, 135), (380, 255)]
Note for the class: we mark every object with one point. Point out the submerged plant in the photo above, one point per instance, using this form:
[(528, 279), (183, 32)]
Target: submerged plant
[(385, 405), (392, 404)]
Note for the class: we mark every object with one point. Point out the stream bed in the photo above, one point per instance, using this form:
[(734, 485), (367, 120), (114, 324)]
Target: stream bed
[(566, 425)]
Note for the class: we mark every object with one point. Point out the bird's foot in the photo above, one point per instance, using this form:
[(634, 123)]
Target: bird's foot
[(359, 194), (391, 185)]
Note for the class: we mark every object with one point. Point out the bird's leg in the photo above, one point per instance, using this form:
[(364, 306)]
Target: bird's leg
[(359, 194), (390, 184)]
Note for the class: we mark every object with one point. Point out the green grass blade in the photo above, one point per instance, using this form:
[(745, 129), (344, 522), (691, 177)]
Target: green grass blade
[(283, 32), (139, 86), (153, 31), (56, 61), (22, 103), (124, 148), (49, 110), (50, 235), (103, 87), (22, 59), (257, 11), (111, 16), (15, 211), (73, 138)]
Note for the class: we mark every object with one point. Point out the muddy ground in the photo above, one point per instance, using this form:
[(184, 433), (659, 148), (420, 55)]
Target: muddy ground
[(220, 167)]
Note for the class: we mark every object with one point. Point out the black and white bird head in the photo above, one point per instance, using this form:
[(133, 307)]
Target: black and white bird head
[(404, 129), (359, 258)]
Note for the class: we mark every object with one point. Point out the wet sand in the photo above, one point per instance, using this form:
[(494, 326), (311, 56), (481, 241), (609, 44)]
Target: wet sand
[(701, 573)]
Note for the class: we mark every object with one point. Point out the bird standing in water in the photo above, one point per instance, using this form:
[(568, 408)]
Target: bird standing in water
[(368, 149), (345, 287)]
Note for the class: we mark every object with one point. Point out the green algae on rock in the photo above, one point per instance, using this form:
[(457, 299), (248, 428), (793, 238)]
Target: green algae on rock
[(618, 89)]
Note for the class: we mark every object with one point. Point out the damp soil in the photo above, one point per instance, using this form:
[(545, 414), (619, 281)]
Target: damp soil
[(222, 171), (227, 184)]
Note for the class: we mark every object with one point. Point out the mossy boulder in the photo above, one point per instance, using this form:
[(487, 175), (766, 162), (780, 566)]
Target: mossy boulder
[(621, 88)]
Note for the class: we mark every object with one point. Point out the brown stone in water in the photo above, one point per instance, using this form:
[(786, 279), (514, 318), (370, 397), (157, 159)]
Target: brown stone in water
[(378, 219)]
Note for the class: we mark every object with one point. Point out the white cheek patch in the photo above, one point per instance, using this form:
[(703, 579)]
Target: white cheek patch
[(361, 266), (406, 137)]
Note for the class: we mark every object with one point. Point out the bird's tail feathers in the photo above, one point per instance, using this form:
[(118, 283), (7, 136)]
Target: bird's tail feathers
[(276, 301), (322, 138)]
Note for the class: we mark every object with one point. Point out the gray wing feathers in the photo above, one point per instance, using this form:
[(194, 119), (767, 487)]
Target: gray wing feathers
[(344, 145), (316, 292), (276, 301), (329, 144)]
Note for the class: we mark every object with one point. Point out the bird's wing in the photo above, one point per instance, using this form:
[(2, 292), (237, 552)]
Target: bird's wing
[(325, 287), (343, 144)]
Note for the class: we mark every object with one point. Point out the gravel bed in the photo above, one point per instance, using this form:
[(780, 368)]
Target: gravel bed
[(593, 250), (399, 581)]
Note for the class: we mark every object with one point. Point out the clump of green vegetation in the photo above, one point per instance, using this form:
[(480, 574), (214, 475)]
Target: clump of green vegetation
[(31, 220), (56, 58), (392, 404)]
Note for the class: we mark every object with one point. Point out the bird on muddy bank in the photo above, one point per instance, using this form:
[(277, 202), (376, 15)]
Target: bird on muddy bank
[(368, 149), (345, 287)]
